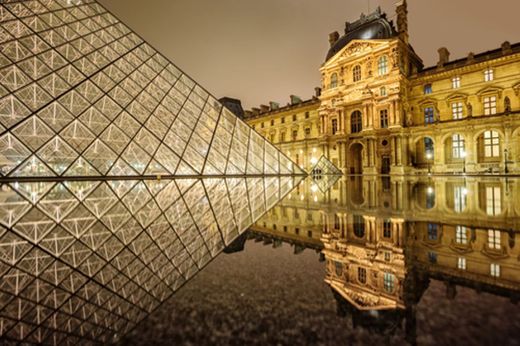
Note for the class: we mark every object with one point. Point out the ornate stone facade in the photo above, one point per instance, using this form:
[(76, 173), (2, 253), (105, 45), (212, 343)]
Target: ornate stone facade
[(380, 111)]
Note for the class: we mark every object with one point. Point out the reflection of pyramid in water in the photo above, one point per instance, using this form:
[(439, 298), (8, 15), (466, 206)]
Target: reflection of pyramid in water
[(87, 260), (325, 167), (82, 95)]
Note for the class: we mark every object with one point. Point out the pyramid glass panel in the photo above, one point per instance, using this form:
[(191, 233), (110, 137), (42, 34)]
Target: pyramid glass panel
[(77, 85)]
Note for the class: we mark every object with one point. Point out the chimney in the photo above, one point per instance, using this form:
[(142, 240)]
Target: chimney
[(274, 105), (264, 109), (402, 21), (317, 91), (471, 57), (333, 38), (506, 48), (444, 56), (248, 114), (347, 27), (295, 100), (255, 110)]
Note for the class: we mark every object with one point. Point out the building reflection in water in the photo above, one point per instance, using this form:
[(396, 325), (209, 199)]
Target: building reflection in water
[(85, 261), (384, 238)]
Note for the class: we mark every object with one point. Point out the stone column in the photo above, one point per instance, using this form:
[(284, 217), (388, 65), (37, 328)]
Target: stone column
[(399, 151)]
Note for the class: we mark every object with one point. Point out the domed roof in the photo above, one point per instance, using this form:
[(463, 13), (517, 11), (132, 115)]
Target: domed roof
[(373, 26)]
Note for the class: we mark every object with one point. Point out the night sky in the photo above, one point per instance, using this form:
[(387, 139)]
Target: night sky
[(261, 51)]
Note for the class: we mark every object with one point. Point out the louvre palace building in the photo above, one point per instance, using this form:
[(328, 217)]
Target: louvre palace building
[(380, 110)]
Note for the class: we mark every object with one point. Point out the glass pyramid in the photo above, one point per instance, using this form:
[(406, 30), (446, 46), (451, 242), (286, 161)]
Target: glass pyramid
[(325, 167), (81, 95)]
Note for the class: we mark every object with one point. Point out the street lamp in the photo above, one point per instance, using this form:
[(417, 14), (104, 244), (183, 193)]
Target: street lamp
[(429, 158), (463, 156)]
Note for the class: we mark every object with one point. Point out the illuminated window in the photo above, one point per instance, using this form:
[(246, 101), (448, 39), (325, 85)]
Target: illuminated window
[(383, 114), (382, 91), (488, 75), (356, 73), (362, 275), (382, 65), (388, 280), (458, 146), (428, 147), (387, 229), (457, 110), (461, 263), (427, 89), (493, 200), (428, 115), (355, 122), (494, 270), (490, 105), (459, 198), (455, 82), (334, 126), (491, 144), (461, 235), (494, 239), (433, 231), (333, 80)]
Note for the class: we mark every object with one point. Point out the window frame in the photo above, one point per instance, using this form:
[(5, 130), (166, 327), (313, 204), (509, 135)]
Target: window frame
[(356, 73), (356, 121), (382, 65), (489, 75), (455, 82), (490, 104), (429, 115), (383, 118)]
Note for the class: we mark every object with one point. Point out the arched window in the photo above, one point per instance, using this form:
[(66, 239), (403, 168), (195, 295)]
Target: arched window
[(355, 122), (356, 73), (382, 65), (333, 80)]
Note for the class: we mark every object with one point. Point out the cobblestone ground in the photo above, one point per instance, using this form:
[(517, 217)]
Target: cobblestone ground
[(266, 296)]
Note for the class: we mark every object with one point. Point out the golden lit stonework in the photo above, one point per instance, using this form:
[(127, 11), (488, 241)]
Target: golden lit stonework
[(380, 111)]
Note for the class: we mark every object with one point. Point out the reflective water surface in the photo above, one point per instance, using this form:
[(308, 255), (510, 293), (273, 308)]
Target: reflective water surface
[(370, 260), (332, 260)]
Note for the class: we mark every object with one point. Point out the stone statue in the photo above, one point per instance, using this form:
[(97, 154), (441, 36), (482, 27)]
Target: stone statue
[(507, 105), (470, 109)]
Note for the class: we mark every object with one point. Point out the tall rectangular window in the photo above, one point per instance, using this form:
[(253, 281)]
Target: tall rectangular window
[(461, 263), (494, 239), (488, 75), (428, 115), (387, 229), (459, 198), (384, 118), (307, 131), (282, 137), (491, 144), (432, 231), (432, 257), (493, 200), (388, 280), (490, 105), (334, 126), (455, 82), (272, 122), (461, 235), (458, 146), (382, 65), (457, 110), (294, 117), (306, 115), (295, 135), (262, 125), (494, 270), (362, 275), (283, 120), (427, 89)]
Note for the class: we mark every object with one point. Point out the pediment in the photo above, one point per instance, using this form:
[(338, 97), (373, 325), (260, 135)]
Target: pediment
[(356, 48)]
